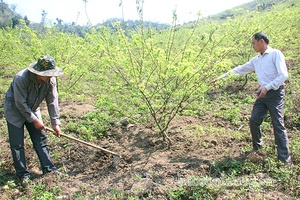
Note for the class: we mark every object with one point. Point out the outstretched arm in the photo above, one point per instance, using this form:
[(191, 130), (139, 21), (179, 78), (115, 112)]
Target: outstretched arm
[(220, 77), (239, 70)]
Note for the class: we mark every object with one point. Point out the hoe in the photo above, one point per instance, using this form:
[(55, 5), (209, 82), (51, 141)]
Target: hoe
[(117, 156)]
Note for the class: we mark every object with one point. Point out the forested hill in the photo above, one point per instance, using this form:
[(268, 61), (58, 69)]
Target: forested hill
[(259, 5), (10, 18)]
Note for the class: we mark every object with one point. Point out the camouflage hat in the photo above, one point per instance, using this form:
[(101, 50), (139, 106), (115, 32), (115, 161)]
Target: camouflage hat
[(45, 66)]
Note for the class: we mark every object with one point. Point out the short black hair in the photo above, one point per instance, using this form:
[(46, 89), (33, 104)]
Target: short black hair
[(261, 35)]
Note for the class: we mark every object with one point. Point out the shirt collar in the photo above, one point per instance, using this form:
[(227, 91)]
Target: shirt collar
[(268, 50), (32, 77)]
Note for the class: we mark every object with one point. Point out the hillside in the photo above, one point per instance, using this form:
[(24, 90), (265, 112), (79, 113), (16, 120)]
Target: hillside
[(7, 16), (261, 5)]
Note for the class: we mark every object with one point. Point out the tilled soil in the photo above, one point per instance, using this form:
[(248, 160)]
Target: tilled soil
[(148, 168)]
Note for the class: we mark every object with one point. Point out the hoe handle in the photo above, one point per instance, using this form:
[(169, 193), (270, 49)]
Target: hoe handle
[(83, 142)]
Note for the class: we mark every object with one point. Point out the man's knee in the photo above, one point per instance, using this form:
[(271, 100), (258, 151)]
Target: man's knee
[(254, 121)]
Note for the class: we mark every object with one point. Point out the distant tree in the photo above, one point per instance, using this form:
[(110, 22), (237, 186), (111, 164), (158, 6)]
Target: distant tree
[(59, 21), (59, 24), (26, 20), (13, 7), (2, 7), (15, 21), (44, 15)]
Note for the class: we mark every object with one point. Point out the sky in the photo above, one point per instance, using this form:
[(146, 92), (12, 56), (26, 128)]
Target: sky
[(98, 11)]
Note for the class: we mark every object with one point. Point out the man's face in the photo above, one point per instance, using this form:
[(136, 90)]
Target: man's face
[(257, 45), (43, 78)]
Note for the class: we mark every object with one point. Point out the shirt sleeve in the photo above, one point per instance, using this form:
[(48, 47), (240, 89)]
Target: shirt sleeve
[(20, 96), (239, 70), (280, 65), (52, 102), (244, 69)]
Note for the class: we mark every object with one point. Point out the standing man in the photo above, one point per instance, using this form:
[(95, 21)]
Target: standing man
[(21, 107), (270, 68)]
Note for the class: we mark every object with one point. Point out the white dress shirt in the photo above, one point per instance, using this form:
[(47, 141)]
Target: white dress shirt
[(269, 67)]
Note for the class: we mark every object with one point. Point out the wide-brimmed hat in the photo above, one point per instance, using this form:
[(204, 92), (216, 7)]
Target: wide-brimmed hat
[(45, 66)]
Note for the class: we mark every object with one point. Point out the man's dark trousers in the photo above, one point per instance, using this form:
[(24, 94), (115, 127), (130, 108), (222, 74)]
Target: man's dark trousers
[(273, 103), (39, 141)]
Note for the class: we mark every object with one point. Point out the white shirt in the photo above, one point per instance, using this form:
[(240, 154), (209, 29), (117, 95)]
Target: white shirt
[(270, 69)]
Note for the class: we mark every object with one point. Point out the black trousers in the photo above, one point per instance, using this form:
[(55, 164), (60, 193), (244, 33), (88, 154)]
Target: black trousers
[(273, 103), (39, 141)]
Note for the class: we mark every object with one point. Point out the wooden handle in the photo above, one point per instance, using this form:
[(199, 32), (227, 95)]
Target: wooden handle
[(86, 143)]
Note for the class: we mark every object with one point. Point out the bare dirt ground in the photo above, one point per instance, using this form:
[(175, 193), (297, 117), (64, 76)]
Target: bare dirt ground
[(147, 169)]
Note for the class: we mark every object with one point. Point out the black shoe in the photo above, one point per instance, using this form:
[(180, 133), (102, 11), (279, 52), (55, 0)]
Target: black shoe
[(25, 181)]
